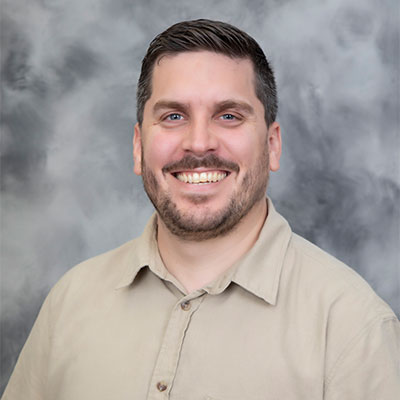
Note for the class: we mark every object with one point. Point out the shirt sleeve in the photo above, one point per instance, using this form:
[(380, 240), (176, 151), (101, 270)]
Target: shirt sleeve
[(28, 379), (369, 368)]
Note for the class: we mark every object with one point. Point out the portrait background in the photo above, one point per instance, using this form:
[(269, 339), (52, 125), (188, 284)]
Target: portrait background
[(68, 192)]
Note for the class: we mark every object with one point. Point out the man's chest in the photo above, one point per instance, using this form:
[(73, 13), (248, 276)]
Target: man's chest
[(231, 346)]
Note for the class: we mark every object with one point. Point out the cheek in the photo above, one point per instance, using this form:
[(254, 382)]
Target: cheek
[(242, 150), (160, 150)]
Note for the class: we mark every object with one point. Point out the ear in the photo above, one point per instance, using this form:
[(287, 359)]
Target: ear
[(274, 146), (137, 150)]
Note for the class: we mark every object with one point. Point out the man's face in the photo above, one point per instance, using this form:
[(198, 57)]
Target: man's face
[(204, 150)]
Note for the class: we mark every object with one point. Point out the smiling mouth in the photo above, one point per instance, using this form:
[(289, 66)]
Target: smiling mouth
[(201, 178)]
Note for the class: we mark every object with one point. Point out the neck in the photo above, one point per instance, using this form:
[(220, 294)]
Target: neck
[(194, 264)]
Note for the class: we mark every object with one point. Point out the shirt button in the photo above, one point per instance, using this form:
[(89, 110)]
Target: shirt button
[(161, 386), (186, 305)]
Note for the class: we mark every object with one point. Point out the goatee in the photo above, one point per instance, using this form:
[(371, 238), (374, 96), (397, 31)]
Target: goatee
[(186, 224)]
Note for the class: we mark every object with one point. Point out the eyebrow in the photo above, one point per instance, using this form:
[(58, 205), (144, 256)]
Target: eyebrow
[(236, 105), (219, 107), (168, 105)]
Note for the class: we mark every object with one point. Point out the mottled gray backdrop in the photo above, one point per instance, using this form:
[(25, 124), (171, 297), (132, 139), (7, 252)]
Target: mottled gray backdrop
[(69, 72)]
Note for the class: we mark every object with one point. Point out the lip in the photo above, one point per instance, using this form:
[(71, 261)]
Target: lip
[(202, 187), (191, 164), (199, 170)]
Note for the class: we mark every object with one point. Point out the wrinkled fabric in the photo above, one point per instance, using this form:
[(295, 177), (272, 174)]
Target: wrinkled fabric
[(287, 321)]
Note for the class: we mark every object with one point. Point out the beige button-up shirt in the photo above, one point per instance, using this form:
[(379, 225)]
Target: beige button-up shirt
[(286, 322)]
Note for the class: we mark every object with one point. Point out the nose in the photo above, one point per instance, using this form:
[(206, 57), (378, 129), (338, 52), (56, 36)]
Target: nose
[(199, 138)]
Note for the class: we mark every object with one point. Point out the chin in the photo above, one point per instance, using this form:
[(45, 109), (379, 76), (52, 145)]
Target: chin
[(198, 225)]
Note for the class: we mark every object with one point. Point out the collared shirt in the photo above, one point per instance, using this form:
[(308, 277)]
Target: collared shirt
[(287, 321)]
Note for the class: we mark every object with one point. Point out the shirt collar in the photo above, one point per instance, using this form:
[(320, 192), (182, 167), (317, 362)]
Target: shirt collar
[(258, 271), (142, 253)]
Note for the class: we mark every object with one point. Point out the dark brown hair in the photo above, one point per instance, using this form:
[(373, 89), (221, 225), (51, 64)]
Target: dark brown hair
[(215, 36)]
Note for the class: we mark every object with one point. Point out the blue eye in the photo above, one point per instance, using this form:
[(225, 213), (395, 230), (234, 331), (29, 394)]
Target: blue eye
[(228, 117), (174, 117)]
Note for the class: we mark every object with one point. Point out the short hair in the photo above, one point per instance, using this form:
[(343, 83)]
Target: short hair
[(215, 36)]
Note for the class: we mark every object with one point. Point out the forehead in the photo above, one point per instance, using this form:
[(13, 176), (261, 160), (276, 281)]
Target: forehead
[(203, 75)]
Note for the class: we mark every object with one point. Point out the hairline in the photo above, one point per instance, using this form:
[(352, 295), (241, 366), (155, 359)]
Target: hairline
[(198, 50)]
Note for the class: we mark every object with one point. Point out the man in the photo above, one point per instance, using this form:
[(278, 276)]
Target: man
[(218, 299)]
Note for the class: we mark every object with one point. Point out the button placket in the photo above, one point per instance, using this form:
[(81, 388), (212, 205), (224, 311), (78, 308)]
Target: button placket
[(168, 357)]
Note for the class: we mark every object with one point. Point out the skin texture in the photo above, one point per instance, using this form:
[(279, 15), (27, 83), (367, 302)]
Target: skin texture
[(203, 115)]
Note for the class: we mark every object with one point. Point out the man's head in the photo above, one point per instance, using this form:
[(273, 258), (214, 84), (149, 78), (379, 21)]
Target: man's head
[(205, 141), (213, 36)]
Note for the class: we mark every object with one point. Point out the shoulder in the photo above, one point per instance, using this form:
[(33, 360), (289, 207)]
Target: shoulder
[(338, 303), (95, 275), (329, 278)]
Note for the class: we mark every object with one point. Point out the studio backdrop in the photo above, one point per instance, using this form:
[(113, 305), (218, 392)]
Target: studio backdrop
[(69, 73)]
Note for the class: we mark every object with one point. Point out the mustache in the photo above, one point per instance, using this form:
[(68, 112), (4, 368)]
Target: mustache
[(209, 161)]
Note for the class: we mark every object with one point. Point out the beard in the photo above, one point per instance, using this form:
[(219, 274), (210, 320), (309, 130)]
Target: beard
[(185, 224)]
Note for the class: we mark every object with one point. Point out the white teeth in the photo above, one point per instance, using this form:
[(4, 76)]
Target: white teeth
[(202, 178)]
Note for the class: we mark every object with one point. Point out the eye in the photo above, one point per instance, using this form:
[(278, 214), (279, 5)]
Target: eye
[(174, 117), (228, 117)]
